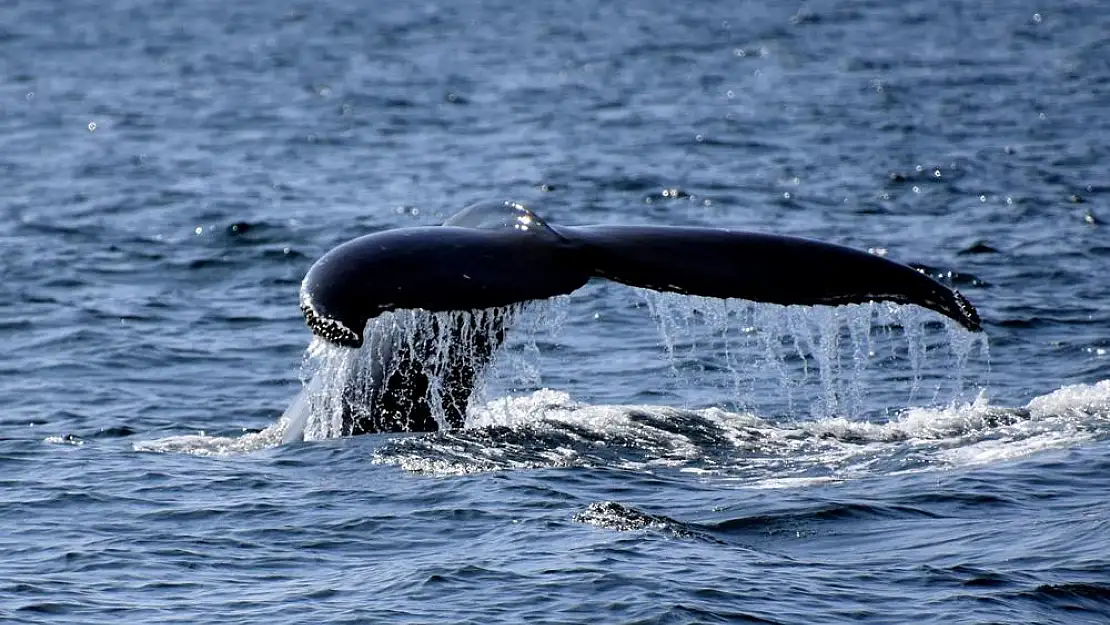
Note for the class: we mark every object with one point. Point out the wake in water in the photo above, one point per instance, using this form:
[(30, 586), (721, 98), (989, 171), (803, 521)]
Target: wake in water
[(549, 429), (832, 357)]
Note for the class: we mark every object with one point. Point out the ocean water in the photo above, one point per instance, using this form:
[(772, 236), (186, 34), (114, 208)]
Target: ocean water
[(171, 170)]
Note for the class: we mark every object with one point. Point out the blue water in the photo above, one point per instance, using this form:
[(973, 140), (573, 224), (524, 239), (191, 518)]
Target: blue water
[(171, 170)]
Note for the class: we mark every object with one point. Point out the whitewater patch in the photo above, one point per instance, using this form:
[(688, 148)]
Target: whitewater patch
[(549, 429)]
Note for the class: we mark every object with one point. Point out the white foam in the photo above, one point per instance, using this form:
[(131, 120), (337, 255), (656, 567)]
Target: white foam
[(205, 445), (1084, 398), (915, 423), (517, 411), (68, 439), (991, 451)]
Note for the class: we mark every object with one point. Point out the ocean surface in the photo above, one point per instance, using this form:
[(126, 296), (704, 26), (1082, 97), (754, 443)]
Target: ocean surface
[(170, 170)]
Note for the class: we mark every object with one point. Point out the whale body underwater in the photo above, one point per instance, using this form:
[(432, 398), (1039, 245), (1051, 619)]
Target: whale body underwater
[(499, 255)]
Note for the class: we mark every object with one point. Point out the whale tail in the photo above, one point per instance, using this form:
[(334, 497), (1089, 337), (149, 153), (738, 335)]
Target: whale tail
[(495, 254)]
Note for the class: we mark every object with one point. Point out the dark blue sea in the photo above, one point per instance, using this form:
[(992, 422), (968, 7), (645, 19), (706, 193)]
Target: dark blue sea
[(170, 171)]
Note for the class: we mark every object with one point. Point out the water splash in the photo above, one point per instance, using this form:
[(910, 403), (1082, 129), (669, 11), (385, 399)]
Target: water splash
[(832, 358), (519, 365), (434, 346)]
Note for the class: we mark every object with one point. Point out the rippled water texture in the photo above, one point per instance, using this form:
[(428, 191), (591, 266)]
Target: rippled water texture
[(171, 170)]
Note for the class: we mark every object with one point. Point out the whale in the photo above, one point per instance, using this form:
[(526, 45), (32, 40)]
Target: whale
[(495, 257)]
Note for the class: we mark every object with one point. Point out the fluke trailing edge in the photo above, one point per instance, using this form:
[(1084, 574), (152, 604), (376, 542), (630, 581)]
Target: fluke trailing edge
[(493, 255)]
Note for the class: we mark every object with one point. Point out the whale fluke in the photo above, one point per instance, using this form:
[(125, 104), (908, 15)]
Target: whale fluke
[(493, 255)]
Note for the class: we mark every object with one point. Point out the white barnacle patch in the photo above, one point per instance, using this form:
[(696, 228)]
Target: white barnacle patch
[(325, 327)]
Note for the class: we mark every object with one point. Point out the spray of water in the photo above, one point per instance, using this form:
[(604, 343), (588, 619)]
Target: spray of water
[(436, 353), (831, 358)]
